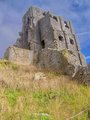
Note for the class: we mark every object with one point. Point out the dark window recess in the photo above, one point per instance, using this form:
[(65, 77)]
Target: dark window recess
[(43, 44), (29, 45), (28, 20), (72, 41), (66, 25), (54, 17), (60, 38), (44, 13), (26, 34)]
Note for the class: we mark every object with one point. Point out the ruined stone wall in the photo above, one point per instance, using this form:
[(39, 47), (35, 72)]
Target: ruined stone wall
[(58, 34), (83, 61), (32, 18), (58, 60), (19, 55), (70, 38), (45, 36), (46, 32)]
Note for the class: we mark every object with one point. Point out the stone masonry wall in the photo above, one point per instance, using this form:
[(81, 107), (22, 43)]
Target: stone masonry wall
[(19, 55), (58, 60)]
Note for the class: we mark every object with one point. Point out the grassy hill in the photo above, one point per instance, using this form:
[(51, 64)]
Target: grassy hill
[(55, 98)]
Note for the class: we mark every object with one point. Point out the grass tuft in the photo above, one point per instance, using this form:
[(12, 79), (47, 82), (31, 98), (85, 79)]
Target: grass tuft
[(12, 96)]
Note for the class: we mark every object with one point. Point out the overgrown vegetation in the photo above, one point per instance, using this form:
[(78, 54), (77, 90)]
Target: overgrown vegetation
[(5, 63), (56, 98)]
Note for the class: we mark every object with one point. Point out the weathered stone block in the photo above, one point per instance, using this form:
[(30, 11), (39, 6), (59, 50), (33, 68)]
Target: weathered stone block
[(58, 60), (18, 55)]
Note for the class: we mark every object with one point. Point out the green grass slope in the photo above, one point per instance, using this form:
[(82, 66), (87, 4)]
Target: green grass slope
[(55, 98)]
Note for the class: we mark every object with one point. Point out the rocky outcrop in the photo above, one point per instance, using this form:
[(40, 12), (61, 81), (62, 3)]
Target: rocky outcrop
[(39, 76), (63, 61), (83, 75)]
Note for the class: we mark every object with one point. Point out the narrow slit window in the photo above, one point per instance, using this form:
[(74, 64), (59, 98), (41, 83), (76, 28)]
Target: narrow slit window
[(26, 34), (29, 45), (43, 44), (28, 20)]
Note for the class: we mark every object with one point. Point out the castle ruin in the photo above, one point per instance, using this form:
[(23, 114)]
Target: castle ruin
[(47, 41)]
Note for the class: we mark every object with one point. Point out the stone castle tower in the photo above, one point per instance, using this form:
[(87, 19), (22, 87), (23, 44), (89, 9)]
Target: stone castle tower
[(48, 41)]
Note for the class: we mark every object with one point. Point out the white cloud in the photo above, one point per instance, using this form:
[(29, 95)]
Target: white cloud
[(88, 57), (84, 33)]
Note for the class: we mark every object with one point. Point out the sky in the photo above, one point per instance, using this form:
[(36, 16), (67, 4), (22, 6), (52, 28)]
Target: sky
[(12, 11)]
